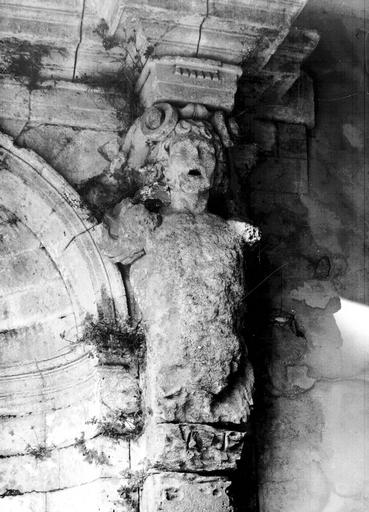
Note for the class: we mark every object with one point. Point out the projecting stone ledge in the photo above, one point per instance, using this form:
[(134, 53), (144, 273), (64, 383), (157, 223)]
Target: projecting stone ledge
[(230, 31), (188, 80)]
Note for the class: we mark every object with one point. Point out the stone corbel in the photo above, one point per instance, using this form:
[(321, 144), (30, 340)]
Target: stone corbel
[(183, 80)]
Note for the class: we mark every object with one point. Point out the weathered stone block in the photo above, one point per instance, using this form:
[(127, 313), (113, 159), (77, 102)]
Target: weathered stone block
[(65, 467), (285, 64), (73, 153), (265, 135), (14, 501), (292, 141), (296, 107), (99, 496), (230, 41), (180, 492), (37, 340), (119, 389), (78, 105), (58, 427), (14, 105), (228, 31), (267, 11), (171, 32), (281, 175), (344, 437), (96, 63), (189, 447), (26, 306), (180, 286), (40, 386), (183, 81), (35, 18), (27, 270)]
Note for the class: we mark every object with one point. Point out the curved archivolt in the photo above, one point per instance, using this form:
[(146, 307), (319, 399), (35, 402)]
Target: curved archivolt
[(52, 277)]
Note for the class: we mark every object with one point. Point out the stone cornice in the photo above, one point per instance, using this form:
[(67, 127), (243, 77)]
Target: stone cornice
[(62, 103)]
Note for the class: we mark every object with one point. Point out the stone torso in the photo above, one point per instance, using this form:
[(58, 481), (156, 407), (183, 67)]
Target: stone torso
[(189, 287)]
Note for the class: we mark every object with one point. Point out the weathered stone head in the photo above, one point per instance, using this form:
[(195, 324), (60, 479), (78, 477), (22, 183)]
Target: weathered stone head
[(178, 154)]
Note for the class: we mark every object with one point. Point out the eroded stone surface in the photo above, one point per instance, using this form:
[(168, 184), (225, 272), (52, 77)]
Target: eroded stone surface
[(193, 447), (69, 138), (190, 289), (180, 492)]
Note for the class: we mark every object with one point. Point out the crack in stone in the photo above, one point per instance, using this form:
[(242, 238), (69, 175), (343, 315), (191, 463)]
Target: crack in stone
[(8, 492), (25, 126), (158, 471), (220, 425), (78, 235), (54, 448), (200, 27), (80, 39)]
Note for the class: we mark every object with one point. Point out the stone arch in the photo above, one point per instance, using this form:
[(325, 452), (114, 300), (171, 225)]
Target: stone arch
[(52, 276)]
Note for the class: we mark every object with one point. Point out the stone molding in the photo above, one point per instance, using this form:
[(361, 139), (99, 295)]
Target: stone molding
[(48, 402), (37, 183), (229, 31)]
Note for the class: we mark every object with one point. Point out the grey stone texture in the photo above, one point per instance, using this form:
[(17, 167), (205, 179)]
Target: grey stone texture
[(67, 92), (313, 308), (190, 289), (181, 491)]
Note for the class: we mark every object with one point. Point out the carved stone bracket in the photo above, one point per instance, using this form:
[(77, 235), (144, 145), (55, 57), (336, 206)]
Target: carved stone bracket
[(183, 80)]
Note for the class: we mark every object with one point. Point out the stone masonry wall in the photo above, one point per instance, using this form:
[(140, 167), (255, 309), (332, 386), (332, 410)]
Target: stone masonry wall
[(309, 305), (307, 289)]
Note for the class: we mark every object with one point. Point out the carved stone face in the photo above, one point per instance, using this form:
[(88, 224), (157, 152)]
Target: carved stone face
[(175, 158), (191, 165)]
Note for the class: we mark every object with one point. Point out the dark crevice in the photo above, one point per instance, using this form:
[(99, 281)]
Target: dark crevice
[(243, 427), (11, 492), (132, 306), (16, 492), (157, 469), (80, 39), (27, 123), (200, 28)]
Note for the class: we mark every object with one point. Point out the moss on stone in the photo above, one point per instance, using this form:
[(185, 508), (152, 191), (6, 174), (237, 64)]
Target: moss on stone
[(113, 341), (22, 58), (121, 425), (40, 451)]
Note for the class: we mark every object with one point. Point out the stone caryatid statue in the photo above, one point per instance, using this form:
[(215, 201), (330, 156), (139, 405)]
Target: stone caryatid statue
[(187, 276)]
